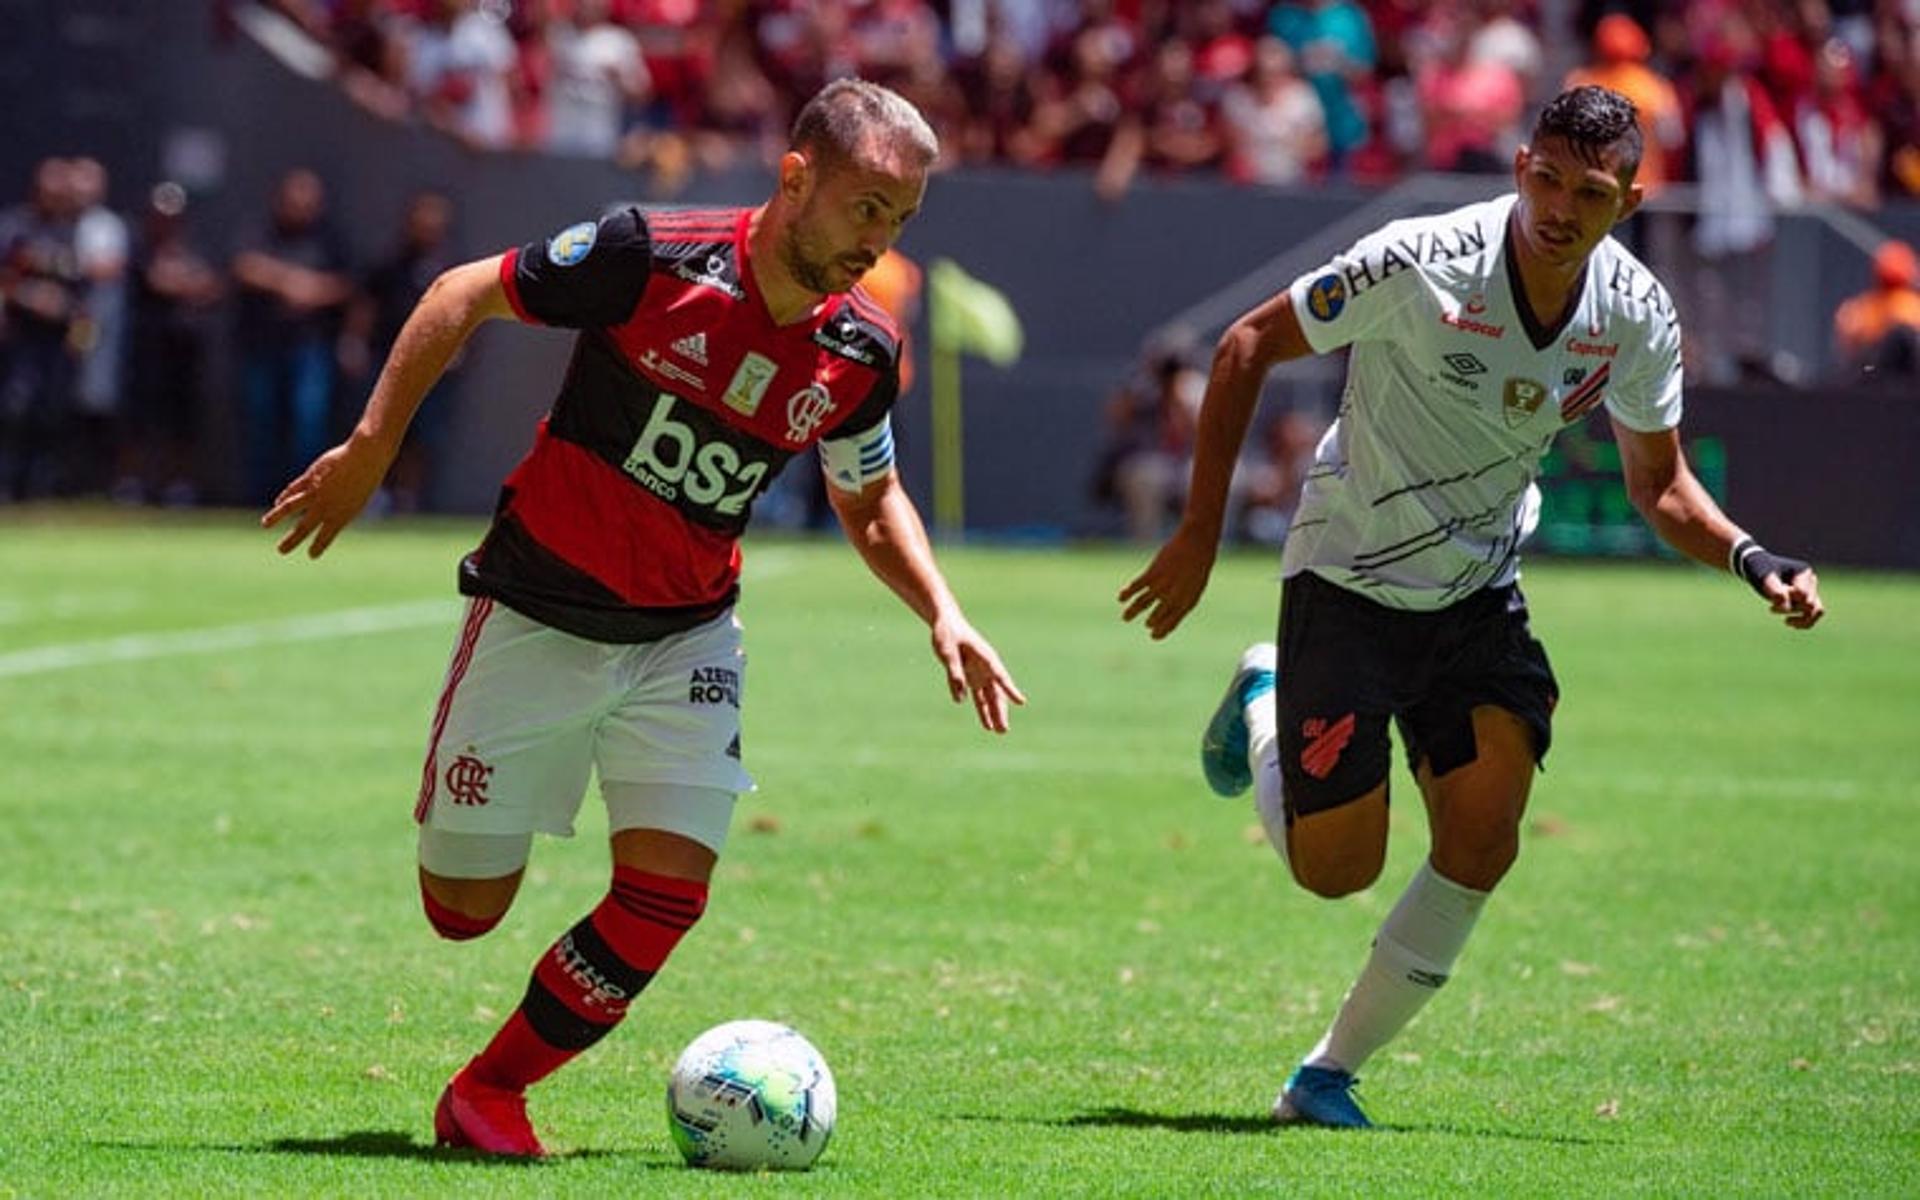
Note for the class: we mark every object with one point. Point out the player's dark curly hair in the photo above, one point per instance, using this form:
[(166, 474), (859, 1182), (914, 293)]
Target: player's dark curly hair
[(848, 115), (1594, 120)]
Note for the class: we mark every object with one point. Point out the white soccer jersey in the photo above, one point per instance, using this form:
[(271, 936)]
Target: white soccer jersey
[(1422, 490)]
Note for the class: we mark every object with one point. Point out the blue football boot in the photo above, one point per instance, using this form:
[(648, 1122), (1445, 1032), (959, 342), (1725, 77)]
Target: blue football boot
[(1320, 1096), (1223, 748)]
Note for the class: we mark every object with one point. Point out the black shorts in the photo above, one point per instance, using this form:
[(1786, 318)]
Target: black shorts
[(1348, 663)]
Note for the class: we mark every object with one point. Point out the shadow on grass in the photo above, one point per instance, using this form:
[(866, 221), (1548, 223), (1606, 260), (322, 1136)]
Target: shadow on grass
[(1241, 1123), (378, 1143)]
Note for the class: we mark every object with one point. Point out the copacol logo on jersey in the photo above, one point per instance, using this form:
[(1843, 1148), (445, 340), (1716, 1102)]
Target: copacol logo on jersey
[(714, 685), (670, 460), (571, 244)]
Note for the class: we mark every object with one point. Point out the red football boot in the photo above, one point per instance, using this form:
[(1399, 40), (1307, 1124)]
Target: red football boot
[(488, 1119)]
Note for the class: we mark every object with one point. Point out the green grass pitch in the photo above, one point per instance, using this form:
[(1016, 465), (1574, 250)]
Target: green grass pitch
[(1048, 965)]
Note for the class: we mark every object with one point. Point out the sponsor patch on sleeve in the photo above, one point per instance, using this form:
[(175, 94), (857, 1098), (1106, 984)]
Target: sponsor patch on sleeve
[(572, 244), (1326, 296)]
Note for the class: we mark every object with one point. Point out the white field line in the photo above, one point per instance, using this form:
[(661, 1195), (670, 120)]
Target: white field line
[(314, 627), (65, 606)]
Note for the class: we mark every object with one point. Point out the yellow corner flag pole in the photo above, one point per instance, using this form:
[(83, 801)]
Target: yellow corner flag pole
[(970, 317), (949, 451)]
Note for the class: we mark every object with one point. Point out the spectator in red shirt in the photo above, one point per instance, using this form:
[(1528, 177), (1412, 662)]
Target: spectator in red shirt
[(1472, 108), (1840, 143)]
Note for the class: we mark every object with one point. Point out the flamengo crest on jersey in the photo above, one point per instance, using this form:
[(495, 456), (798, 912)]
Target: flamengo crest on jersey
[(682, 403), (1422, 490)]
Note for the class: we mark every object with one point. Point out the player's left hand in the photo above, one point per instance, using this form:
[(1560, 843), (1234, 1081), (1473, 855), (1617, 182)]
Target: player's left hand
[(974, 669)]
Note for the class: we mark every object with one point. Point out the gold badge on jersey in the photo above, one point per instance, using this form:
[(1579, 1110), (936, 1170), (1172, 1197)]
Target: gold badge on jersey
[(749, 384), (1521, 399)]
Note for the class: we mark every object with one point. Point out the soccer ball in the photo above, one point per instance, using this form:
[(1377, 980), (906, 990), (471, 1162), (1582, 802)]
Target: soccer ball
[(751, 1096)]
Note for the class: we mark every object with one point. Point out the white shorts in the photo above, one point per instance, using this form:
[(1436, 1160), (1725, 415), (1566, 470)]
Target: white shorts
[(528, 711)]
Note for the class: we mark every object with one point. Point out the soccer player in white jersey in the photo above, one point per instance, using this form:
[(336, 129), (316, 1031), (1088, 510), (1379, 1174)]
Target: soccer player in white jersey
[(1476, 335)]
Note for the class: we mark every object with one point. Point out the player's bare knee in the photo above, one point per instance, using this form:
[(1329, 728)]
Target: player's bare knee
[(1477, 862), (1339, 850), (1333, 882), (469, 880), (1340, 873), (462, 909)]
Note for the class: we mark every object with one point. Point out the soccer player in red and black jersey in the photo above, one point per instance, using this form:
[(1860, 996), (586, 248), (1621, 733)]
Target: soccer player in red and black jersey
[(714, 345)]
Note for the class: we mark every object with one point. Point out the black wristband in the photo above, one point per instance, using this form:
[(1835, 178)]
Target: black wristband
[(1755, 563)]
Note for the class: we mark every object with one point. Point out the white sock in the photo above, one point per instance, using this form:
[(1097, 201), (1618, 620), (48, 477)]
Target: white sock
[(1269, 795), (1412, 956), (1263, 758)]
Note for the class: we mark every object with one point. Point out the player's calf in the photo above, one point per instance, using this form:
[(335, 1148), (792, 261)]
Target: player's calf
[(583, 984)]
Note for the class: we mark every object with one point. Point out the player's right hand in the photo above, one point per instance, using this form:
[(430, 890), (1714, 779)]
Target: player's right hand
[(328, 495), (1172, 583), (1794, 594)]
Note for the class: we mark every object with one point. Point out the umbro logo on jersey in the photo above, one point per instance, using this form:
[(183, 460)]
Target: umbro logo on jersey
[(1464, 364), (692, 347)]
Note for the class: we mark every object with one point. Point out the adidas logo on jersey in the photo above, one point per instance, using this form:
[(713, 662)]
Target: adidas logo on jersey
[(693, 347)]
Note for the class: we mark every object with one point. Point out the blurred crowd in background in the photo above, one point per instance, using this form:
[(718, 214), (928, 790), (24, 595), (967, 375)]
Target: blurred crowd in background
[(1262, 92), (117, 326), (112, 326)]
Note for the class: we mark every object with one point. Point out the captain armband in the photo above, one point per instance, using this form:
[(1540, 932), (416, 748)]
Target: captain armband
[(851, 463)]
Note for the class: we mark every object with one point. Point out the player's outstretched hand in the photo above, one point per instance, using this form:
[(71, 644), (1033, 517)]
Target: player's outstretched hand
[(974, 669), (1172, 583), (1795, 596), (328, 495), (1787, 584)]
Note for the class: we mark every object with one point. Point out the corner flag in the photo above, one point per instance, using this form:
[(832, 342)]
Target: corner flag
[(966, 317)]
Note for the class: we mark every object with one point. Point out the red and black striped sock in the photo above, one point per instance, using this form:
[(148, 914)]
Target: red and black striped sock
[(582, 986)]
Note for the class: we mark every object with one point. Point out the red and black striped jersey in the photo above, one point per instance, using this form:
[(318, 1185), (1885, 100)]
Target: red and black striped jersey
[(682, 402)]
